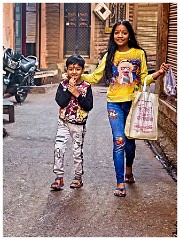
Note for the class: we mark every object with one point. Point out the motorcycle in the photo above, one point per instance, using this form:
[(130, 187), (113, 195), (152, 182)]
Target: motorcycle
[(18, 75)]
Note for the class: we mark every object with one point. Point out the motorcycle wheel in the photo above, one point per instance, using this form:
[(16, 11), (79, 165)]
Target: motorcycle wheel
[(20, 98)]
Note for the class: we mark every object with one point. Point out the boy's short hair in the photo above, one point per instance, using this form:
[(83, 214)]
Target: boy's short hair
[(75, 59)]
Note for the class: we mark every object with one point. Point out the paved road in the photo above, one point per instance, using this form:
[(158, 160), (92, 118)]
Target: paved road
[(31, 209)]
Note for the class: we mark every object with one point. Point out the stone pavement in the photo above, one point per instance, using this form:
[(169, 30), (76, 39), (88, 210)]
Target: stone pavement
[(31, 209)]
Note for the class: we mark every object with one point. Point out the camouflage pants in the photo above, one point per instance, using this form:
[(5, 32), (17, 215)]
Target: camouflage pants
[(77, 133)]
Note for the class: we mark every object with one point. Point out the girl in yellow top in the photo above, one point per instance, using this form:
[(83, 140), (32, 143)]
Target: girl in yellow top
[(125, 67)]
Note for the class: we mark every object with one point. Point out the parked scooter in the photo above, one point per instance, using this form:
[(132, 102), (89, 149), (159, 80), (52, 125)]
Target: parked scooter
[(18, 74)]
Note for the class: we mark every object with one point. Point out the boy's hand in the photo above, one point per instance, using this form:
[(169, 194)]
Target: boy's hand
[(72, 88), (72, 82)]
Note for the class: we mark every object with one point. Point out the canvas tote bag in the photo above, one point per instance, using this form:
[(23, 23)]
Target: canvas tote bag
[(141, 122)]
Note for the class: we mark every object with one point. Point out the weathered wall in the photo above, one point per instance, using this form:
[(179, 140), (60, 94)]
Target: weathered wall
[(101, 38), (143, 17), (8, 25), (166, 144), (52, 30)]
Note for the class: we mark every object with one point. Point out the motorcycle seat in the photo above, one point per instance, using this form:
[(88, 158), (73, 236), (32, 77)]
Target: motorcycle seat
[(26, 64)]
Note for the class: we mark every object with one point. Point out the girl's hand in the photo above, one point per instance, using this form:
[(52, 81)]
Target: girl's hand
[(163, 68), (64, 76)]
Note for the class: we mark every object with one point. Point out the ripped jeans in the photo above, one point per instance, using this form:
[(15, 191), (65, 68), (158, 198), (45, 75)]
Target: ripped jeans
[(122, 146)]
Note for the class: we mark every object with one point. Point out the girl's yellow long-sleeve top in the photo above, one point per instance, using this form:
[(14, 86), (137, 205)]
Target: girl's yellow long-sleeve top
[(129, 71)]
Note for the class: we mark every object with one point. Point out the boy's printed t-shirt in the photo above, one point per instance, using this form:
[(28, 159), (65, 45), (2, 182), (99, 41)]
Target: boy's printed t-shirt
[(74, 112), (128, 72)]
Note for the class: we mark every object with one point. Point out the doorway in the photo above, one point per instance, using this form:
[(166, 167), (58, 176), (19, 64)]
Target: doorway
[(26, 31)]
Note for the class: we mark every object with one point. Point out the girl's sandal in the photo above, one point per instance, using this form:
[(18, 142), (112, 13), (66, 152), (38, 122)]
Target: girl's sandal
[(58, 184), (129, 178), (120, 192), (76, 183)]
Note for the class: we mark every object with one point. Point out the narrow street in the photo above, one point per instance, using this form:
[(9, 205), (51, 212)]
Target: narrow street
[(32, 209)]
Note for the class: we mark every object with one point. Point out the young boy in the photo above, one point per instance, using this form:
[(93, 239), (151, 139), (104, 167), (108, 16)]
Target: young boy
[(74, 96)]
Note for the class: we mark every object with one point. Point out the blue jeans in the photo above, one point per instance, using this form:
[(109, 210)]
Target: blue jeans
[(117, 113)]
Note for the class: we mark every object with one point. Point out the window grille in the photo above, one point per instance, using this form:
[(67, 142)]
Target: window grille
[(118, 12)]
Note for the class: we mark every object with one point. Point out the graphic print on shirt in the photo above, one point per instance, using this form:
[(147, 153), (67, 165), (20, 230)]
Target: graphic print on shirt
[(73, 112), (126, 72), (125, 69)]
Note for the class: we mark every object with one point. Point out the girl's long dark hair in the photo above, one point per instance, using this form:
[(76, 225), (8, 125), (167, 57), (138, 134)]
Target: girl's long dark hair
[(112, 46)]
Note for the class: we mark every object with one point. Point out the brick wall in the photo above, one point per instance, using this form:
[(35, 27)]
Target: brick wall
[(101, 38)]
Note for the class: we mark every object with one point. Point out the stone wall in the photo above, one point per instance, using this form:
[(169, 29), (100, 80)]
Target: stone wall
[(166, 144)]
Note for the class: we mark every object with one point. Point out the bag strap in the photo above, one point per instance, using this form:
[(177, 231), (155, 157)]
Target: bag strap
[(144, 86)]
